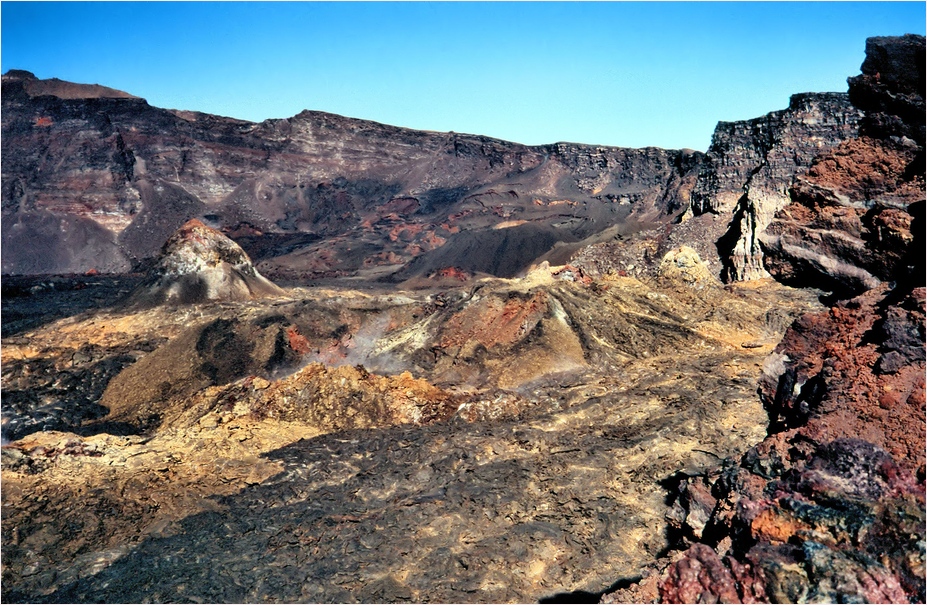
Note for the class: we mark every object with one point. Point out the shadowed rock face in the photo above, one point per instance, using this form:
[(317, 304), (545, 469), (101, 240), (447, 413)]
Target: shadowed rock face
[(742, 182), (308, 196), (199, 264), (890, 89)]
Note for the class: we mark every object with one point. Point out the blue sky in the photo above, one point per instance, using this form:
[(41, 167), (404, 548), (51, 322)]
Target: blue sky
[(624, 74)]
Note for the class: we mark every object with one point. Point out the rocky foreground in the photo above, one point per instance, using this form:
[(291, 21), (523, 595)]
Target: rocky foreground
[(256, 454), (624, 427)]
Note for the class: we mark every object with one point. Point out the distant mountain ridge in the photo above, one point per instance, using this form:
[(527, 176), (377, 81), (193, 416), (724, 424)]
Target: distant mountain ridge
[(97, 179)]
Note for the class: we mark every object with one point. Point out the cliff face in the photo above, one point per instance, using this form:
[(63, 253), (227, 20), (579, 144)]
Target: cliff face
[(751, 165), (97, 179), (852, 219), (830, 507)]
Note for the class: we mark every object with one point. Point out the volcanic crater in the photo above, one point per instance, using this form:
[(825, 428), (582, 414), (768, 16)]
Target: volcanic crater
[(323, 359)]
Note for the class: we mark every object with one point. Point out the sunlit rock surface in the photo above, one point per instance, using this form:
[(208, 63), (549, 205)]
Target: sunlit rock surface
[(751, 165), (506, 442), (95, 179), (199, 264), (830, 507)]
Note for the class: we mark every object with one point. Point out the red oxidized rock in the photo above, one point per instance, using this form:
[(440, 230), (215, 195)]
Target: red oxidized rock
[(297, 341), (830, 507), (702, 577)]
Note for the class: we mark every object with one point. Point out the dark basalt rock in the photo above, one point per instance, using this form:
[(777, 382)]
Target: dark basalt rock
[(830, 507), (320, 195), (890, 90), (316, 194), (852, 220), (751, 165)]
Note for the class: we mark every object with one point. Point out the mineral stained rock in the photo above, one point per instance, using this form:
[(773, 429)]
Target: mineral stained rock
[(830, 507), (685, 264), (475, 439), (751, 165), (741, 183), (851, 221), (319, 195), (199, 264)]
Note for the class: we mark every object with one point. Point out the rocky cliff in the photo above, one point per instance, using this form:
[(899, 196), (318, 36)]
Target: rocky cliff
[(831, 505), (850, 224), (751, 165), (97, 179)]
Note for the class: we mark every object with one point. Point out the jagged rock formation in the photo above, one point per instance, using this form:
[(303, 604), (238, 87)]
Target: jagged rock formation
[(199, 264), (751, 165), (890, 89), (831, 505), (851, 220), (308, 196), (743, 181), (320, 195)]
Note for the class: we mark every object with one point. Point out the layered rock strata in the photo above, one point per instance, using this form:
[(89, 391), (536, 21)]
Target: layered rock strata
[(751, 165), (853, 215), (97, 180), (319, 195), (831, 505)]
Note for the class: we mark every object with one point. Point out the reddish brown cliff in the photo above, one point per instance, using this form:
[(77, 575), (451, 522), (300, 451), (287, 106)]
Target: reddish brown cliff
[(831, 505), (97, 179)]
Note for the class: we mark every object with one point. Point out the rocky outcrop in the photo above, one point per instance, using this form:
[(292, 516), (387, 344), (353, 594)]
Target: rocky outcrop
[(34, 87), (831, 505), (742, 182), (684, 264), (853, 214), (850, 225), (97, 179), (751, 165), (846, 525), (320, 195), (508, 440), (199, 264), (890, 89)]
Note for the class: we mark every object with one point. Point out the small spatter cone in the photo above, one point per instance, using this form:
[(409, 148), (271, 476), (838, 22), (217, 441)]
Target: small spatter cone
[(685, 265), (199, 264)]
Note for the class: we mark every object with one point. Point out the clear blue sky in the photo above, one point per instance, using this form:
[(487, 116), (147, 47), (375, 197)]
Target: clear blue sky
[(625, 74)]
